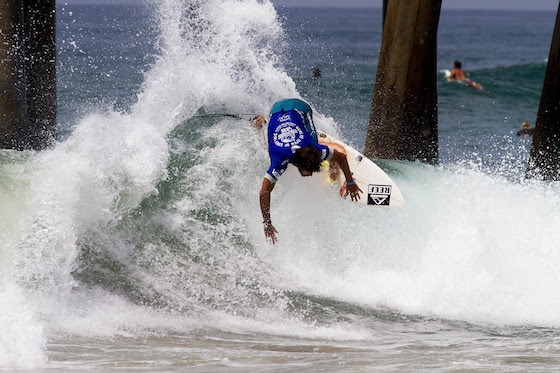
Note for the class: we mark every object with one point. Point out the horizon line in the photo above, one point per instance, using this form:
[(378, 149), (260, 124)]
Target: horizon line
[(442, 8)]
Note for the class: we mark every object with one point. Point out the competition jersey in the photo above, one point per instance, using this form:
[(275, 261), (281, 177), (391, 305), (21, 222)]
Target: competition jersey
[(286, 134)]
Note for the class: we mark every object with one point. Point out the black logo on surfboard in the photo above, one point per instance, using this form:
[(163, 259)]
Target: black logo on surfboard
[(379, 195)]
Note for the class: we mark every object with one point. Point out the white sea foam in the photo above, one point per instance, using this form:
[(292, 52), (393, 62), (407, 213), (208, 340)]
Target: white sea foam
[(466, 245), (212, 55), (22, 340)]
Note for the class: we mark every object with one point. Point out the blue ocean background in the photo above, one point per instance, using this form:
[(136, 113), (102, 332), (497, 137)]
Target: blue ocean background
[(136, 243)]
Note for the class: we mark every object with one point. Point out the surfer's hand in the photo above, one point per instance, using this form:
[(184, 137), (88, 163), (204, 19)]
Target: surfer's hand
[(354, 191), (270, 232)]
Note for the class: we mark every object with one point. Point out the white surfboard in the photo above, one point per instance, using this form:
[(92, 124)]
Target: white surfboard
[(379, 190), (464, 82), (446, 72)]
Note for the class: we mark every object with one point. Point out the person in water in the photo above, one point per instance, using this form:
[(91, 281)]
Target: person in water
[(292, 138), (526, 130), (317, 72), (460, 76)]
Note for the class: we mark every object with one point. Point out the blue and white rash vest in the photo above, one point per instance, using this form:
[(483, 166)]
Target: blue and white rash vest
[(287, 133)]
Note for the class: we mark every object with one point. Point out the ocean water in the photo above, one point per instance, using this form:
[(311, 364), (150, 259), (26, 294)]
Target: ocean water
[(136, 242)]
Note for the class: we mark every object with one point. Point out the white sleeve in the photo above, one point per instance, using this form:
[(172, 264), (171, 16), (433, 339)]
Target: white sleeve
[(330, 154), (270, 178)]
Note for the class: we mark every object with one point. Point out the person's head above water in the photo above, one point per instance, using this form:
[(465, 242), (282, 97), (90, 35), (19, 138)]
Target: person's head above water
[(457, 64)]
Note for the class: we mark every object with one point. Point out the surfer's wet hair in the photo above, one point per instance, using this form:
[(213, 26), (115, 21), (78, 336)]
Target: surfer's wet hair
[(308, 159)]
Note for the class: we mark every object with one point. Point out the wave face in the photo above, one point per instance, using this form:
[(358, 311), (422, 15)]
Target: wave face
[(145, 220)]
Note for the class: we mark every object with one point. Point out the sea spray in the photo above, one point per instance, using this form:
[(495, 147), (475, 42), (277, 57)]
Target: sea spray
[(216, 56), (23, 341), (468, 253), (141, 231)]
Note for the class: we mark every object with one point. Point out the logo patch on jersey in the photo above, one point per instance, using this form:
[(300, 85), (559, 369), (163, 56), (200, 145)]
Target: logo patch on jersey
[(287, 135), (379, 195), (284, 118)]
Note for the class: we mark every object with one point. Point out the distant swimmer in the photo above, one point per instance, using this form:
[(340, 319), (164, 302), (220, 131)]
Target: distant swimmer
[(317, 72), (292, 138), (526, 130), (460, 76)]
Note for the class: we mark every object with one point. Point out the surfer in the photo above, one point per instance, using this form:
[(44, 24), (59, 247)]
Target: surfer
[(317, 72), (460, 76), (526, 130), (292, 139)]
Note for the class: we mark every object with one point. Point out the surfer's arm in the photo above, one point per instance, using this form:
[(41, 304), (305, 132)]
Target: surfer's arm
[(269, 230), (351, 186)]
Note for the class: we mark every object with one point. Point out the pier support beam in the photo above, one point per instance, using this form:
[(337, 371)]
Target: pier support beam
[(544, 162), (384, 10), (27, 74), (403, 116)]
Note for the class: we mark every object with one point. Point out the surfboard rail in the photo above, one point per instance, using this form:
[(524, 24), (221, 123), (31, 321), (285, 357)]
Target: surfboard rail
[(378, 188)]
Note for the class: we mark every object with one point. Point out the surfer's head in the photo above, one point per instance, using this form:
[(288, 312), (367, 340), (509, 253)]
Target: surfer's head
[(457, 64), (307, 160)]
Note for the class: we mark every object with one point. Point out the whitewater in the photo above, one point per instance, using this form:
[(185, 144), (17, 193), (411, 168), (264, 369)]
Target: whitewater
[(137, 243)]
